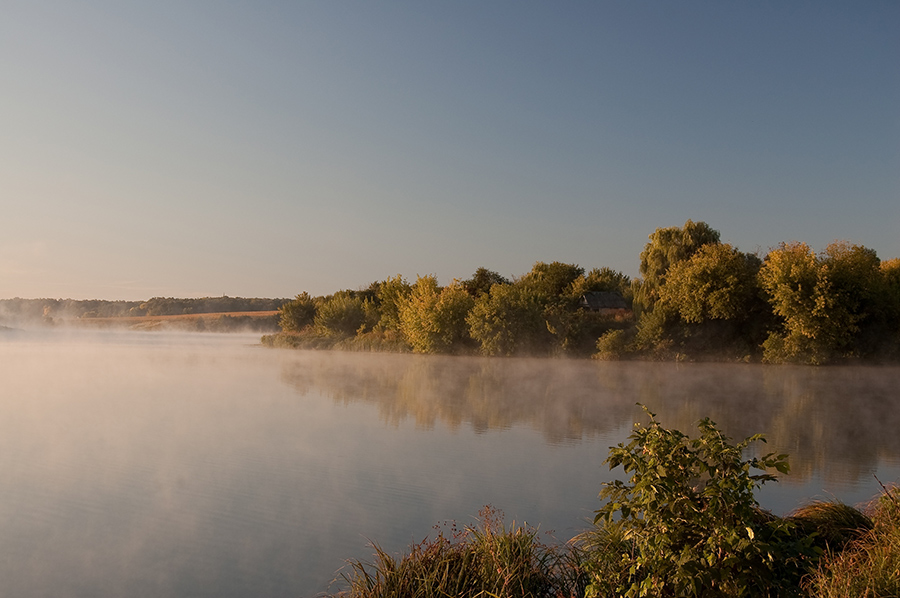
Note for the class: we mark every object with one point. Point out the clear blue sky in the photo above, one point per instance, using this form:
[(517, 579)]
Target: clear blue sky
[(200, 148)]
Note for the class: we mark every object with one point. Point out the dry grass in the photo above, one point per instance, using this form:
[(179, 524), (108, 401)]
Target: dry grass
[(869, 566)]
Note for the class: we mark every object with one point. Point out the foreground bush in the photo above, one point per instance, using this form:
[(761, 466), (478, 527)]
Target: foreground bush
[(488, 560), (687, 523)]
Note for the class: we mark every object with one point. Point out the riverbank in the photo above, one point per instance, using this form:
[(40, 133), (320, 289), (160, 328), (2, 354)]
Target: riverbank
[(664, 533)]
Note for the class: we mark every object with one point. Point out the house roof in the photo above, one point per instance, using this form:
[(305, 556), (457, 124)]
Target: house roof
[(597, 300)]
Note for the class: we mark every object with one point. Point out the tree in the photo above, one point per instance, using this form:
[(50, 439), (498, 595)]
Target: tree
[(605, 280), (890, 276), (667, 247), (551, 282), (341, 315), (718, 282), (821, 300), (482, 281), (389, 295), (432, 319), (298, 314), (508, 320)]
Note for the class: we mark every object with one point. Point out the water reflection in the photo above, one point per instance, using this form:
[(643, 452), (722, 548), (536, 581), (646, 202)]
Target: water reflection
[(836, 422)]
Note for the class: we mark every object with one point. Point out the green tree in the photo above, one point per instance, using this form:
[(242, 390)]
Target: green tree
[(822, 300), (890, 276), (298, 314), (552, 282), (604, 280), (390, 294), (508, 320), (718, 282), (667, 247), (433, 320), (341, 315), (482, 281)]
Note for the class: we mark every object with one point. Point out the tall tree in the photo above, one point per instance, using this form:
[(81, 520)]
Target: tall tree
[(822, 300), (389, 295), (552, 281), (718, 282), (667, 247), (508, 320), (433, 320), (482, 281)]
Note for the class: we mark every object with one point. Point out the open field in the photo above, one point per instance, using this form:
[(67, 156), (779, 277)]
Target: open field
[(219, 321)]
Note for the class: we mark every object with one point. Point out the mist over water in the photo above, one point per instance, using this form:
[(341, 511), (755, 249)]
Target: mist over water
[(202, 465)]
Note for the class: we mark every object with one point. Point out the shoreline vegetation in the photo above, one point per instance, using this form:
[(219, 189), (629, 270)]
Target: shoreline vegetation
[(207, 314), (686, 524), (698, 300)]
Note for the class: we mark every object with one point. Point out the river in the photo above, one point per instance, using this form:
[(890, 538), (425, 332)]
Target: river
[(158, 464)]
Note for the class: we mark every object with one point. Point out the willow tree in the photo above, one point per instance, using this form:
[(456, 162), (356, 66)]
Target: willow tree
[(667, 247)]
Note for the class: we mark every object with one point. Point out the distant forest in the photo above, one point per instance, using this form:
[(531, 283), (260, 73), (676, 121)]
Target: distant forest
[(51, 311), (697, 299)]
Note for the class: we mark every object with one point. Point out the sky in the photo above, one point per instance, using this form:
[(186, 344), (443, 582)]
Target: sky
[(261, 149)]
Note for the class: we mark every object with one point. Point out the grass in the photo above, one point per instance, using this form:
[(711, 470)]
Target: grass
[(686, 525), (859, 558), (489, 560), (869, 565)]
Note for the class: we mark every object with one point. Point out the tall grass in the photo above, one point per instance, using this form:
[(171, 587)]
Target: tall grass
[(489, 560), (869, 566)]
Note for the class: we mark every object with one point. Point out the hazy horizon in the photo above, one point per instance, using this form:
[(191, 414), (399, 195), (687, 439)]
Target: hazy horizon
[(205, 149)]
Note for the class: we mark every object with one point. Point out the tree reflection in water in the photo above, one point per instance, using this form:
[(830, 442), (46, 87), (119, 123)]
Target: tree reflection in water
[(833, 421)]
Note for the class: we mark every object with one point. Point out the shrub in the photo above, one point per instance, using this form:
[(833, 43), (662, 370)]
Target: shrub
[(612, 345), (688, 524)]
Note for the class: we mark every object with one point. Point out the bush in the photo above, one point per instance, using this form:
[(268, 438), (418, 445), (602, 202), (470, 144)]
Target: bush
[(612, 345), (688, 524)]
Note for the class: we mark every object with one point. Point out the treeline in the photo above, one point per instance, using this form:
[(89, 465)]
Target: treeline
[(698, 298), (51, 310)]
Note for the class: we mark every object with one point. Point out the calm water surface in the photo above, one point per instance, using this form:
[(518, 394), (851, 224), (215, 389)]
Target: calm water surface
[(156, 464)]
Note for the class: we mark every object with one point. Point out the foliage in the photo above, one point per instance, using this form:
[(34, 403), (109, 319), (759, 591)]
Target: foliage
[(831, 524), (508, 321), (718, 282), (433, 320), (486, 560), (341, 315), (298, 313), (603, 280), (687, 522), (612, 345), (482, 281), (822, 301), (667, 247), (390, 294), (552, 282)]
